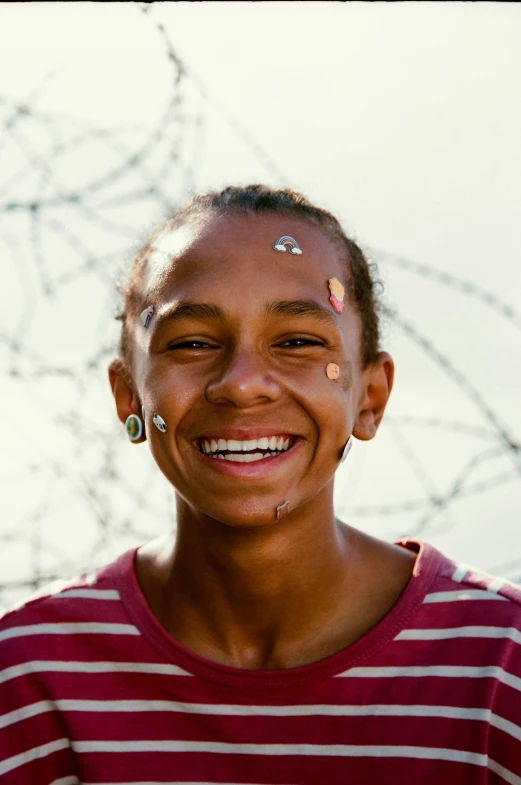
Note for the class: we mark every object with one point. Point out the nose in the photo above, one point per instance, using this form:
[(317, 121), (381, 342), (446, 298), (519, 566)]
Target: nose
[(243, 381)]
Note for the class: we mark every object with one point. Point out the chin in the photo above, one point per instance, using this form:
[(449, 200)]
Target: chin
[(247, 514)]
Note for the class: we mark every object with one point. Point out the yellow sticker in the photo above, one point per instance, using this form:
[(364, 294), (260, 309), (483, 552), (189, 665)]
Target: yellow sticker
[(336, 288)]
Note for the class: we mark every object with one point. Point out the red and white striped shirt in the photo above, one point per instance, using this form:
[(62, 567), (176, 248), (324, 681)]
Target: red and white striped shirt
[(94, 690)]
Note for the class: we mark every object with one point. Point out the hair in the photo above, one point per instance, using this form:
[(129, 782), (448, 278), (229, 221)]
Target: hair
[(363, 287)]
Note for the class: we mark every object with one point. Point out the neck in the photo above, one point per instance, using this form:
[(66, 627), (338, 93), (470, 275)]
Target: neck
[(246, 595)]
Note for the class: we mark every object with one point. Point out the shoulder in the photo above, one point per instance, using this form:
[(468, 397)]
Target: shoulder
[(49, 599), (467, 610), (457, 581), (45, 619), (452, 580)]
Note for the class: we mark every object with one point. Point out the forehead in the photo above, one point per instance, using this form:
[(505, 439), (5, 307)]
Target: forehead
[(233, 253)]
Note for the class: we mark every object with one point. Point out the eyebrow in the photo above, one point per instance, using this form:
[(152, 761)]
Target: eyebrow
[(204, 311), (187, 310), (302, 308)]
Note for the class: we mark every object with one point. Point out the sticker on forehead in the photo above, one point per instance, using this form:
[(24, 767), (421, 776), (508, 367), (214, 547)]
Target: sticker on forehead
[(337, 294), (285, 242), (146, 315)]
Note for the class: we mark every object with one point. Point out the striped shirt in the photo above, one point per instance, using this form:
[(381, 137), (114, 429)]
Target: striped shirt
[(94, 690)]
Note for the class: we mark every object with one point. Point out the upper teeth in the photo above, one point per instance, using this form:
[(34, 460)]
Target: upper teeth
[(233, 445)]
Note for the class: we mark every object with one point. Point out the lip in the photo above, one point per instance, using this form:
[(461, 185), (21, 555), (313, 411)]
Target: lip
[(257, 469)]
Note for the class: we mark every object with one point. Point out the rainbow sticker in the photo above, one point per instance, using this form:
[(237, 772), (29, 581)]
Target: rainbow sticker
[(337, 294), (285, 242)]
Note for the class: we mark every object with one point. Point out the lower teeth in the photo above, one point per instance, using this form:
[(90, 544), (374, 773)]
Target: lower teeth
[(244, 457)]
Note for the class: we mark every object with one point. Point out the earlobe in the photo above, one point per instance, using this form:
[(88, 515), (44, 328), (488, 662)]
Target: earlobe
[(377, 382), (127, 402)]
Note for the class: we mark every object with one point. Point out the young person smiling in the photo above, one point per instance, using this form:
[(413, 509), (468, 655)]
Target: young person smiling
[(265, 641)]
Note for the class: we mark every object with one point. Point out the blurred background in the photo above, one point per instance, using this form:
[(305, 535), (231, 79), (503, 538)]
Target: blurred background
[(404, 119)]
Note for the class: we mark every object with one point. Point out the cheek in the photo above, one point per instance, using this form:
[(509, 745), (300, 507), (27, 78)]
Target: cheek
[(166, 393), (177, 392), (326, 397)]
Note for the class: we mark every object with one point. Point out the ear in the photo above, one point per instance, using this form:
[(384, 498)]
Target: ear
[(377, 383), (127, 402)]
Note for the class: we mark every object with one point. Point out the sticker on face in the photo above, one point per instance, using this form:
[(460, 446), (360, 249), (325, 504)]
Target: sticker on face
[(146, 315), (285, 242), (332, 371), (337, 294), (282, 510), (159, 423), (347, 449)]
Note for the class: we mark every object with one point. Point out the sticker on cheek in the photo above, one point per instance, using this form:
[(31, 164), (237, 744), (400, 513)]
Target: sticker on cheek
[(159, 423), (337, 294), (332, 371)]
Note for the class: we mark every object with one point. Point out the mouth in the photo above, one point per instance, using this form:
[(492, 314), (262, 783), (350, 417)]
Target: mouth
[(247, 451)]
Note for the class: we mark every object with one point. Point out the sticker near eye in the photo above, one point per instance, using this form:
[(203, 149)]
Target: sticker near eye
[(337, 294), (146, 315), (285, 242), (332, 371)]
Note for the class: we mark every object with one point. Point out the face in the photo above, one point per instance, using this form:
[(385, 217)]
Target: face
[(235, 360)]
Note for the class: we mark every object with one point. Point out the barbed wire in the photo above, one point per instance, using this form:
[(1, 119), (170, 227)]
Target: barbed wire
[(467, 288)]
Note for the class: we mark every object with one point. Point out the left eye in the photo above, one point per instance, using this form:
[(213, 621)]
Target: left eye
[(301, 342)]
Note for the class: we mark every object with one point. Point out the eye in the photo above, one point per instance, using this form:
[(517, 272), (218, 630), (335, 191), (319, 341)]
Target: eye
[(301, 342), (189, 345)]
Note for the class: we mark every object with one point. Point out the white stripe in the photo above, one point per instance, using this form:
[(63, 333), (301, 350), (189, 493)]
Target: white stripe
[(327, 750), (506, 726), (244, 710), (56, 666), (72, 780), (464, 594), (69, 628), (496, 584), (460, 572), (428, 753), (35, 754), (92, 594), (17, 715), (248, 710), (436, 671), (505, 774), (475, 631), (299, 710)]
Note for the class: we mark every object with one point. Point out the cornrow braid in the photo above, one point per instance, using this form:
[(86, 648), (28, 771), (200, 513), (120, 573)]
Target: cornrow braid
[(362, 286)]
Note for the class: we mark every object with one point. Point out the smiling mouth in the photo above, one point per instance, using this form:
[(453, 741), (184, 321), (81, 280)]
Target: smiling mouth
[(246, 451)]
